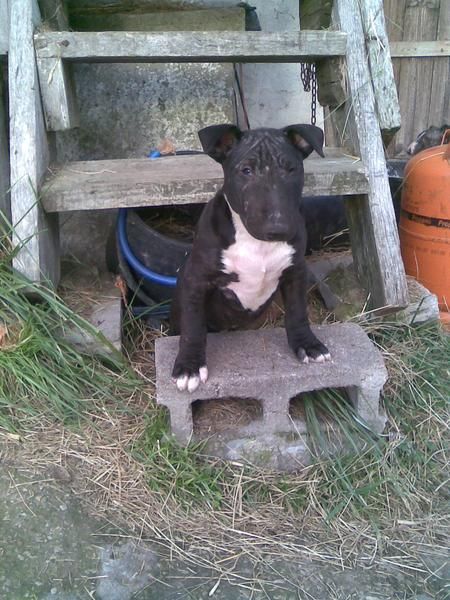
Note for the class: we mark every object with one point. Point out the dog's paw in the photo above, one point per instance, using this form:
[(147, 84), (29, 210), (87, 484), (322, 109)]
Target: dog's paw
[(189, 378), (314, 351)]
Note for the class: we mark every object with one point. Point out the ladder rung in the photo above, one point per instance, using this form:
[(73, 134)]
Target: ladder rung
[(186, 47), (102, 184)]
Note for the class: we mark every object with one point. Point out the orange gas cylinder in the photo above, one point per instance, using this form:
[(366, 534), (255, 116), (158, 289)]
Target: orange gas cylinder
[(425, 221)]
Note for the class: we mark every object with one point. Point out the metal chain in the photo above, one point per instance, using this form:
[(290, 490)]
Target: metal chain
[(309, 81)]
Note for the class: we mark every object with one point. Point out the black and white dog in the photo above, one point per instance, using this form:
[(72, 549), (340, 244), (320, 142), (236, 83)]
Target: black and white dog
[(250, 241)]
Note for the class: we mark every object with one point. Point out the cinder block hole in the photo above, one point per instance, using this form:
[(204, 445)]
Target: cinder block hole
[(325, 403), (225, 414)]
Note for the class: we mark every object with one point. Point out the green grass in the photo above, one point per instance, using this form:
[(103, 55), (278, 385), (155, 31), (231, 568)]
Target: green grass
[(41, 374)]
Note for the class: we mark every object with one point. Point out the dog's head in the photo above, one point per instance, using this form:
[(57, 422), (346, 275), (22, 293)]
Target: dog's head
[(427, 139), (263, 173)]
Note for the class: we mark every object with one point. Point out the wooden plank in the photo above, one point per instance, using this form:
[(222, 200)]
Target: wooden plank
[(185, 47), (427, 24), (5, 204), (55, 76), (34, 232), (415, 80), (58, 94), (380, 65), (440, 88), (394, 11), (4, 27), (423, 83), (177, 180), (420, 49), (373, 231)]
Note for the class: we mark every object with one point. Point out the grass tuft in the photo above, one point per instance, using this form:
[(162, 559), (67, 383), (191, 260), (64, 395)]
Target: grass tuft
[(42, 375)]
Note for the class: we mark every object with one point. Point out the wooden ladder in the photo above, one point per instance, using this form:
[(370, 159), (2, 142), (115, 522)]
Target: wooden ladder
[(39, 193)]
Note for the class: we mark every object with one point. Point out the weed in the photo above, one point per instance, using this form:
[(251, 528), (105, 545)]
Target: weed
[(41, 374)]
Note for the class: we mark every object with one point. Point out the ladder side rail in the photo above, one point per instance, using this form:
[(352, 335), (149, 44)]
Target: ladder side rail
[(373, 230), (35, 232)]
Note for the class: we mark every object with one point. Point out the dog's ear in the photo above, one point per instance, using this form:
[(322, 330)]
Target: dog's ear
[(305, 138), (217, 140)]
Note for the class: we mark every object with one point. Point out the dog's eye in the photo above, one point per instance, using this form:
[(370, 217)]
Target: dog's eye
[(246, 171)]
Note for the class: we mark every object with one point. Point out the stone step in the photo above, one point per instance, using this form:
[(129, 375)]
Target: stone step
[(101, 184), (259, 365), (189, 46)]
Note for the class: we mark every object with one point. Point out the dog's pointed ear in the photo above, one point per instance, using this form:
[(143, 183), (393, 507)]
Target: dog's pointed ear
[(217, 140), (305, 138)]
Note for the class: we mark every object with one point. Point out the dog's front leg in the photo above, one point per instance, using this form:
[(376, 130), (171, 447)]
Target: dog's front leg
[(300, 337), (190, 365)]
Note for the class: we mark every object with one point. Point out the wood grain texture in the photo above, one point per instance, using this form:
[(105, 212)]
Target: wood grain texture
[(373, 231), (197, 46), (393, 12), (34, 231), (381, 70), (4, 27), (420, 32), (440, 87), (57, 94), (55, 77), (420, 49), (423, 23), (5, 203), (177, 180)]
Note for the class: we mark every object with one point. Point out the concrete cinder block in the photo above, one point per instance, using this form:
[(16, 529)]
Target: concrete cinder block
[(259, 364)]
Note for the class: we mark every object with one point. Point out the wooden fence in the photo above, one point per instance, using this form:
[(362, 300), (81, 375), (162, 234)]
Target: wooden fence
[(419, 35)]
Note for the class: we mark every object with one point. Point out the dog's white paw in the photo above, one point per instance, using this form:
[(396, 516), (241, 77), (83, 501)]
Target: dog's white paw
[(191, 382), (182, 382), (203, 372), (314, 352), (321, 358)]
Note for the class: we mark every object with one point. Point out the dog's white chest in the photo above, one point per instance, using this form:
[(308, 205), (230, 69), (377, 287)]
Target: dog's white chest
[(258, 265)]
